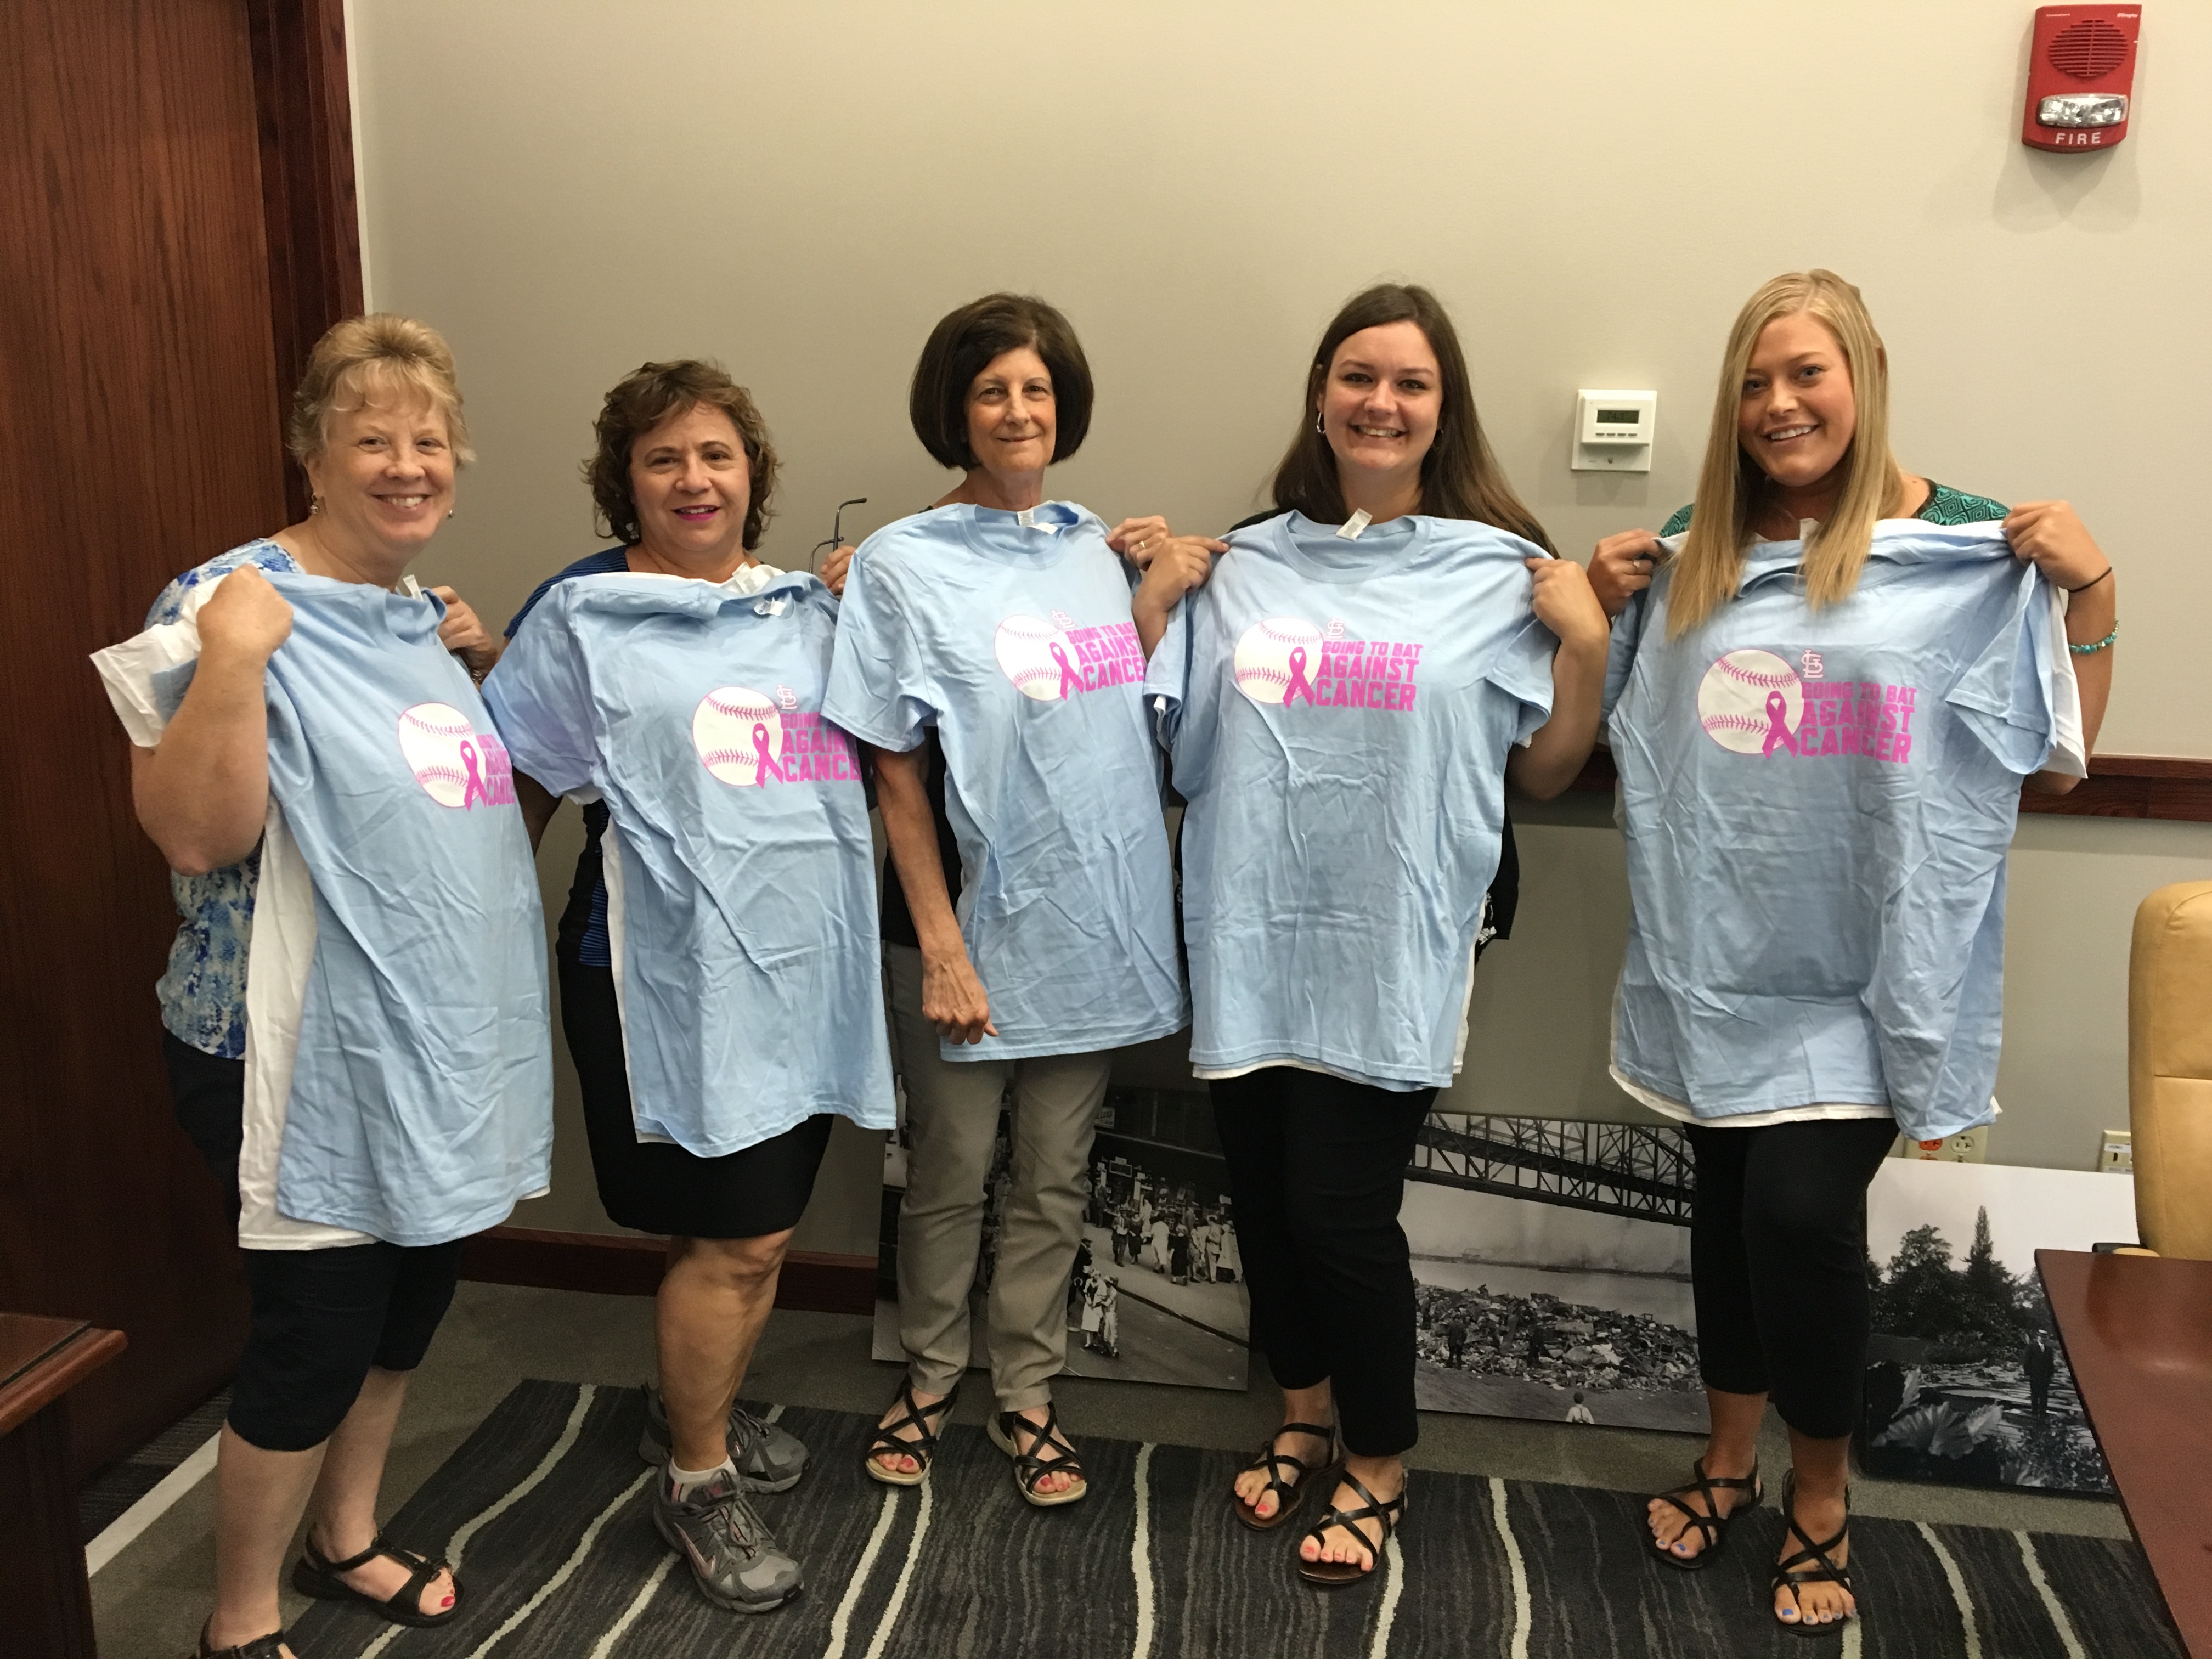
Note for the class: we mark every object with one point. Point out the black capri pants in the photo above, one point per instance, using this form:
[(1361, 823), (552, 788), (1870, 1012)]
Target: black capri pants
[(655, 1187), (1777, 1264), (1316, 1171), (320, 1318)]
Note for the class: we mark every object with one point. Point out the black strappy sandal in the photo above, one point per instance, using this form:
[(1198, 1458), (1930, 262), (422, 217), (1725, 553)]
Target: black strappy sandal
[(261, 1647), (888, 1438), (1713, 1524), (314, 1576), (1792, 1570), (1288, 1493), (1332, 1574), (1030, 1467)]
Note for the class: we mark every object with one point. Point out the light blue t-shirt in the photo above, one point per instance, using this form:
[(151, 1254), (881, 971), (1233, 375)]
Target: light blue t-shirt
[(1817, 806), (1340, 713), (741, 877), (421, 1090), (1014, 640)]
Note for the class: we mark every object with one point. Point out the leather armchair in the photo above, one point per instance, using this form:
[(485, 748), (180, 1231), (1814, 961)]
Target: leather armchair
[(2170, 1069)]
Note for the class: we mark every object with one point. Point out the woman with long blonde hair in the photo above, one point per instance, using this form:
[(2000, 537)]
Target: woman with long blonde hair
[(1829, 681)]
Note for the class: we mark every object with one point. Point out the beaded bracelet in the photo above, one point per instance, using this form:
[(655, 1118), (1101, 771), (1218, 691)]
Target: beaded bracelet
[(2092, 650)]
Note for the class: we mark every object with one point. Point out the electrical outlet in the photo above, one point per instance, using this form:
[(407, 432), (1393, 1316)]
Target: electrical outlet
[(1970, 1147), (2117, 1155)]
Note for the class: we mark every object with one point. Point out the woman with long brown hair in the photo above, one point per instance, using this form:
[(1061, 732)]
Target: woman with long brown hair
[(1344, 703), (1824, 704)]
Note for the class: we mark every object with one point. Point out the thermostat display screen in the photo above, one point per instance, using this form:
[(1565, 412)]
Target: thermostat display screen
[(1620, 417)]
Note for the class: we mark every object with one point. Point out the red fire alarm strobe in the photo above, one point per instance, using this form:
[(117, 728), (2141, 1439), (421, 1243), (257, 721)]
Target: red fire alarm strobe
[(2081, 77)]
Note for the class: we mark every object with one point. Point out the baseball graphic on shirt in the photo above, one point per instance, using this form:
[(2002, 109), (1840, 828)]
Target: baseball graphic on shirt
[(1751, 702), (1038, 657), (1277, 659), (441, 749), (739, 734)]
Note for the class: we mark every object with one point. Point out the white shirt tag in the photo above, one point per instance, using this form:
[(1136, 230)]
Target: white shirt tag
[(773, 607), (1350, 529), (411, 588), (1026, 518)]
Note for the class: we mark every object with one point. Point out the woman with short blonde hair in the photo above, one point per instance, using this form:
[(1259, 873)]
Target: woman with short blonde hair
[(1829, 683), (264, 674)]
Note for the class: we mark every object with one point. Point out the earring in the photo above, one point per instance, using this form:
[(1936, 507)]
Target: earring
[(449, 511), (314, 504), (1318, 427)]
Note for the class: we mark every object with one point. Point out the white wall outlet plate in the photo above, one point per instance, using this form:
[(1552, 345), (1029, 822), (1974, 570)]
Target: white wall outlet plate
[(2116, 1156), (1973, 1147)]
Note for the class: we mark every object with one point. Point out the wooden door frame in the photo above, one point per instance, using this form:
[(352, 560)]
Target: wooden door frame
[(309, 209)]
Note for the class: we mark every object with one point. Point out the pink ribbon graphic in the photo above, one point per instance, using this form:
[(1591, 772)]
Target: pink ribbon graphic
[(1068, 677), (1777, 725), (1298, 681), (474, 790), (763, 762)]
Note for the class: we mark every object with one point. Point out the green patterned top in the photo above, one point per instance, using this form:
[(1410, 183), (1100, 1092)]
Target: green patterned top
[(1945, 506)]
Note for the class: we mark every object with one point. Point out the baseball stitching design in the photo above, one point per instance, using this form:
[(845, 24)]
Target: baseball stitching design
[(738, 733), (1751, 702), (1277, 659)]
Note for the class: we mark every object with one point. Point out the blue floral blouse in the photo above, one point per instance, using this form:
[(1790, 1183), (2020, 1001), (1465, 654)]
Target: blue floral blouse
[(203, 995)]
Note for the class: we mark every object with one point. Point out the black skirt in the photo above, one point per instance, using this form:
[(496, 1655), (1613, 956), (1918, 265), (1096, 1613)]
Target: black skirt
[(658, 1187)]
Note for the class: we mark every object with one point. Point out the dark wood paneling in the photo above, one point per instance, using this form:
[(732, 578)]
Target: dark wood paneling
[(309, 218), (630, 1264), (139, 435), (2117, 786)]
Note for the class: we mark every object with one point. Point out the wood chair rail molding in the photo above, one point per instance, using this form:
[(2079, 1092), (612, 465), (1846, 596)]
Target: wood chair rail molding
[(2173, 786), (630, 1264)]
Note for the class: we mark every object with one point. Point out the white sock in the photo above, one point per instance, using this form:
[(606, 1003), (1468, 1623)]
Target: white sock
[(686, 1481)]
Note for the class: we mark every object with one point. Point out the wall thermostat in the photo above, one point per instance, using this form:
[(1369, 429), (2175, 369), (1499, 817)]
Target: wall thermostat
[(1613, 431)]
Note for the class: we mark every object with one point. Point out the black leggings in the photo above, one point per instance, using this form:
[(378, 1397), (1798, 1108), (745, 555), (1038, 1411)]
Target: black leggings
[(1778, 1262), (322, 1317), (1316, 1171)]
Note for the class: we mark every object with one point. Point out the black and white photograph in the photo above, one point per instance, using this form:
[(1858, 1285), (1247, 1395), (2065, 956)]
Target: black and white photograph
[(1967, 1383), (1157, 1293), (1551, 1271)]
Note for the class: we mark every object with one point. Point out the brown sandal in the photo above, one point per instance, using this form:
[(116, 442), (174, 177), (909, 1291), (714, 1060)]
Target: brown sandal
[(1332, 1575), (1288, 1493)]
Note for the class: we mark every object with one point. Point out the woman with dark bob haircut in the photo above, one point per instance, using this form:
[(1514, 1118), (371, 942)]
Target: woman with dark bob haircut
[(988, 656), (1345, 703), (724, 902)]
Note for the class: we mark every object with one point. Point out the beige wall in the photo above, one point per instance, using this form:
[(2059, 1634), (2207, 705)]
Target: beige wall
[(568, 188)]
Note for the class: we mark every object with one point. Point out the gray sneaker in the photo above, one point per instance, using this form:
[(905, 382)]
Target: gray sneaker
[(734, 1557), (770, 1459)]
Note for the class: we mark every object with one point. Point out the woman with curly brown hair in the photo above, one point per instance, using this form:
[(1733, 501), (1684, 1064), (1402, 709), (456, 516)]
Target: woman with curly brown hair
[(724, 907)]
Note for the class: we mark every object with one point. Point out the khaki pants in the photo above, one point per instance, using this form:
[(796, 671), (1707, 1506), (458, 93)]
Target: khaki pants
[(952, 1121)]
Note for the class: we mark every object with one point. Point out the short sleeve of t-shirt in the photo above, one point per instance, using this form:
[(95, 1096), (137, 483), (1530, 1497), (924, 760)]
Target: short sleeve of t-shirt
[(880, 689), (538, 700), (1621, 653), (1523, 671), (1167, 676), (2009, 694), (146, 676)]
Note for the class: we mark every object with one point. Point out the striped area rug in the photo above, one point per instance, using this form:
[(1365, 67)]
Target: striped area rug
[(545, 1510)]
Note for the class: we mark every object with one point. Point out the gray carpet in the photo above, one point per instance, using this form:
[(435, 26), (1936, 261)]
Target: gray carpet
[(545, 1506)]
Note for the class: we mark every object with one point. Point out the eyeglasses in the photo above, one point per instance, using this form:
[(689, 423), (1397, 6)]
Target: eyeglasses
[(837, 535)]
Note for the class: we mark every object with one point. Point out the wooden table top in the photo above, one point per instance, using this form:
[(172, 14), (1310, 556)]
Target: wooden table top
[(42, 1359), (2137, 1332)]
